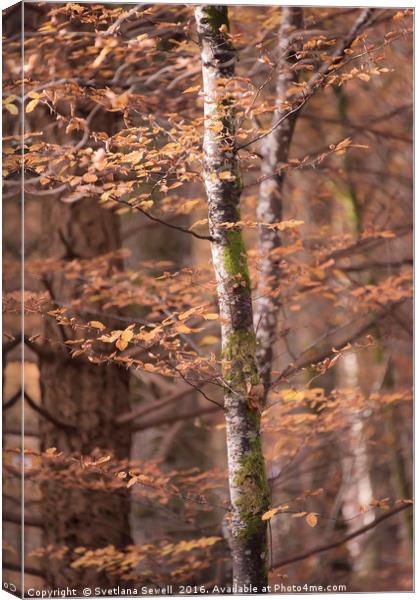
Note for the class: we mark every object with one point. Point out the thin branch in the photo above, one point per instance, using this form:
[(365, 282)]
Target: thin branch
[(8, 346), (344, 540), (115, 26), (322, 354), (12, 400), (162, 222), (363, 245), (27, 570), (141, 411), (17, 430), (169, 440), (359, 127), (368, 266), (28, 521), (315, 83), (276, 125), (157, 422), (392, 113), (47, 415), (198, 389)]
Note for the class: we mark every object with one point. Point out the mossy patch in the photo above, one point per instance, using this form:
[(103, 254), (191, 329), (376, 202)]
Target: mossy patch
[(217, 16), (239, 358), (235, 258), (252, 480)]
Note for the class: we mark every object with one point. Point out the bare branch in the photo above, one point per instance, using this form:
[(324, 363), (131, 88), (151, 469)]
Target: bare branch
[(44, 413), (162, 222), (344, 540), (157, 422), (12, 400), (126, 15), (141, 411), (320, 354)]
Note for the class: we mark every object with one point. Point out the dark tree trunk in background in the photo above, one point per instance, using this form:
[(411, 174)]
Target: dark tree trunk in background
[(86, 395)]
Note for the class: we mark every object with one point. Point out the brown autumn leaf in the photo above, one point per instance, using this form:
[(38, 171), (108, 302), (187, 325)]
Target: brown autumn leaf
[(312, 519), (31, 105), (211, 316), (121, 344), (193, 89), (96, 325), (127, 335)]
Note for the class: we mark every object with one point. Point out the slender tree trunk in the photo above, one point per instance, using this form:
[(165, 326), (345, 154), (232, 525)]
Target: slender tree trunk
[(357, 485), (399, 470), (247, 478), (274, 152), (357, 482), (86, 395)]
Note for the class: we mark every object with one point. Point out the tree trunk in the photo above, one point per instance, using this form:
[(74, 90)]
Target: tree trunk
[(249, 491), (86, 395), (357, 485), (274, 153)]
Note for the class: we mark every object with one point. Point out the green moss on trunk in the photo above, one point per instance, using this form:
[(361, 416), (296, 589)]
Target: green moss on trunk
[(239, 365), (252, 480), (217, 16), (235, 259)]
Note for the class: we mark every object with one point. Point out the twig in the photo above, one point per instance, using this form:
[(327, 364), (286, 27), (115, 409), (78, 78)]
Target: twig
[(115, 26), (198, 389), (315, 83), (303, 362), (162, 222)]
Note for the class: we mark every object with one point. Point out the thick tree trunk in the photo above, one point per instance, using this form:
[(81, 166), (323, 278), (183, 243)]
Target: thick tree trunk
[(247, 478), (274, 153), (85, 395)]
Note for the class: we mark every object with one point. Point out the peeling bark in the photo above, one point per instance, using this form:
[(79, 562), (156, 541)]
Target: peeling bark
[(248, 486)]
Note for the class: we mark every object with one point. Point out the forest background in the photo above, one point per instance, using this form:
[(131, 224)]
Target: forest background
[(145, 128)]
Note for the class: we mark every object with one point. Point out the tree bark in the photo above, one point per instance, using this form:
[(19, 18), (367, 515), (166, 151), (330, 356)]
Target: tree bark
[(85, 395), (274, 152), (248, 486)]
